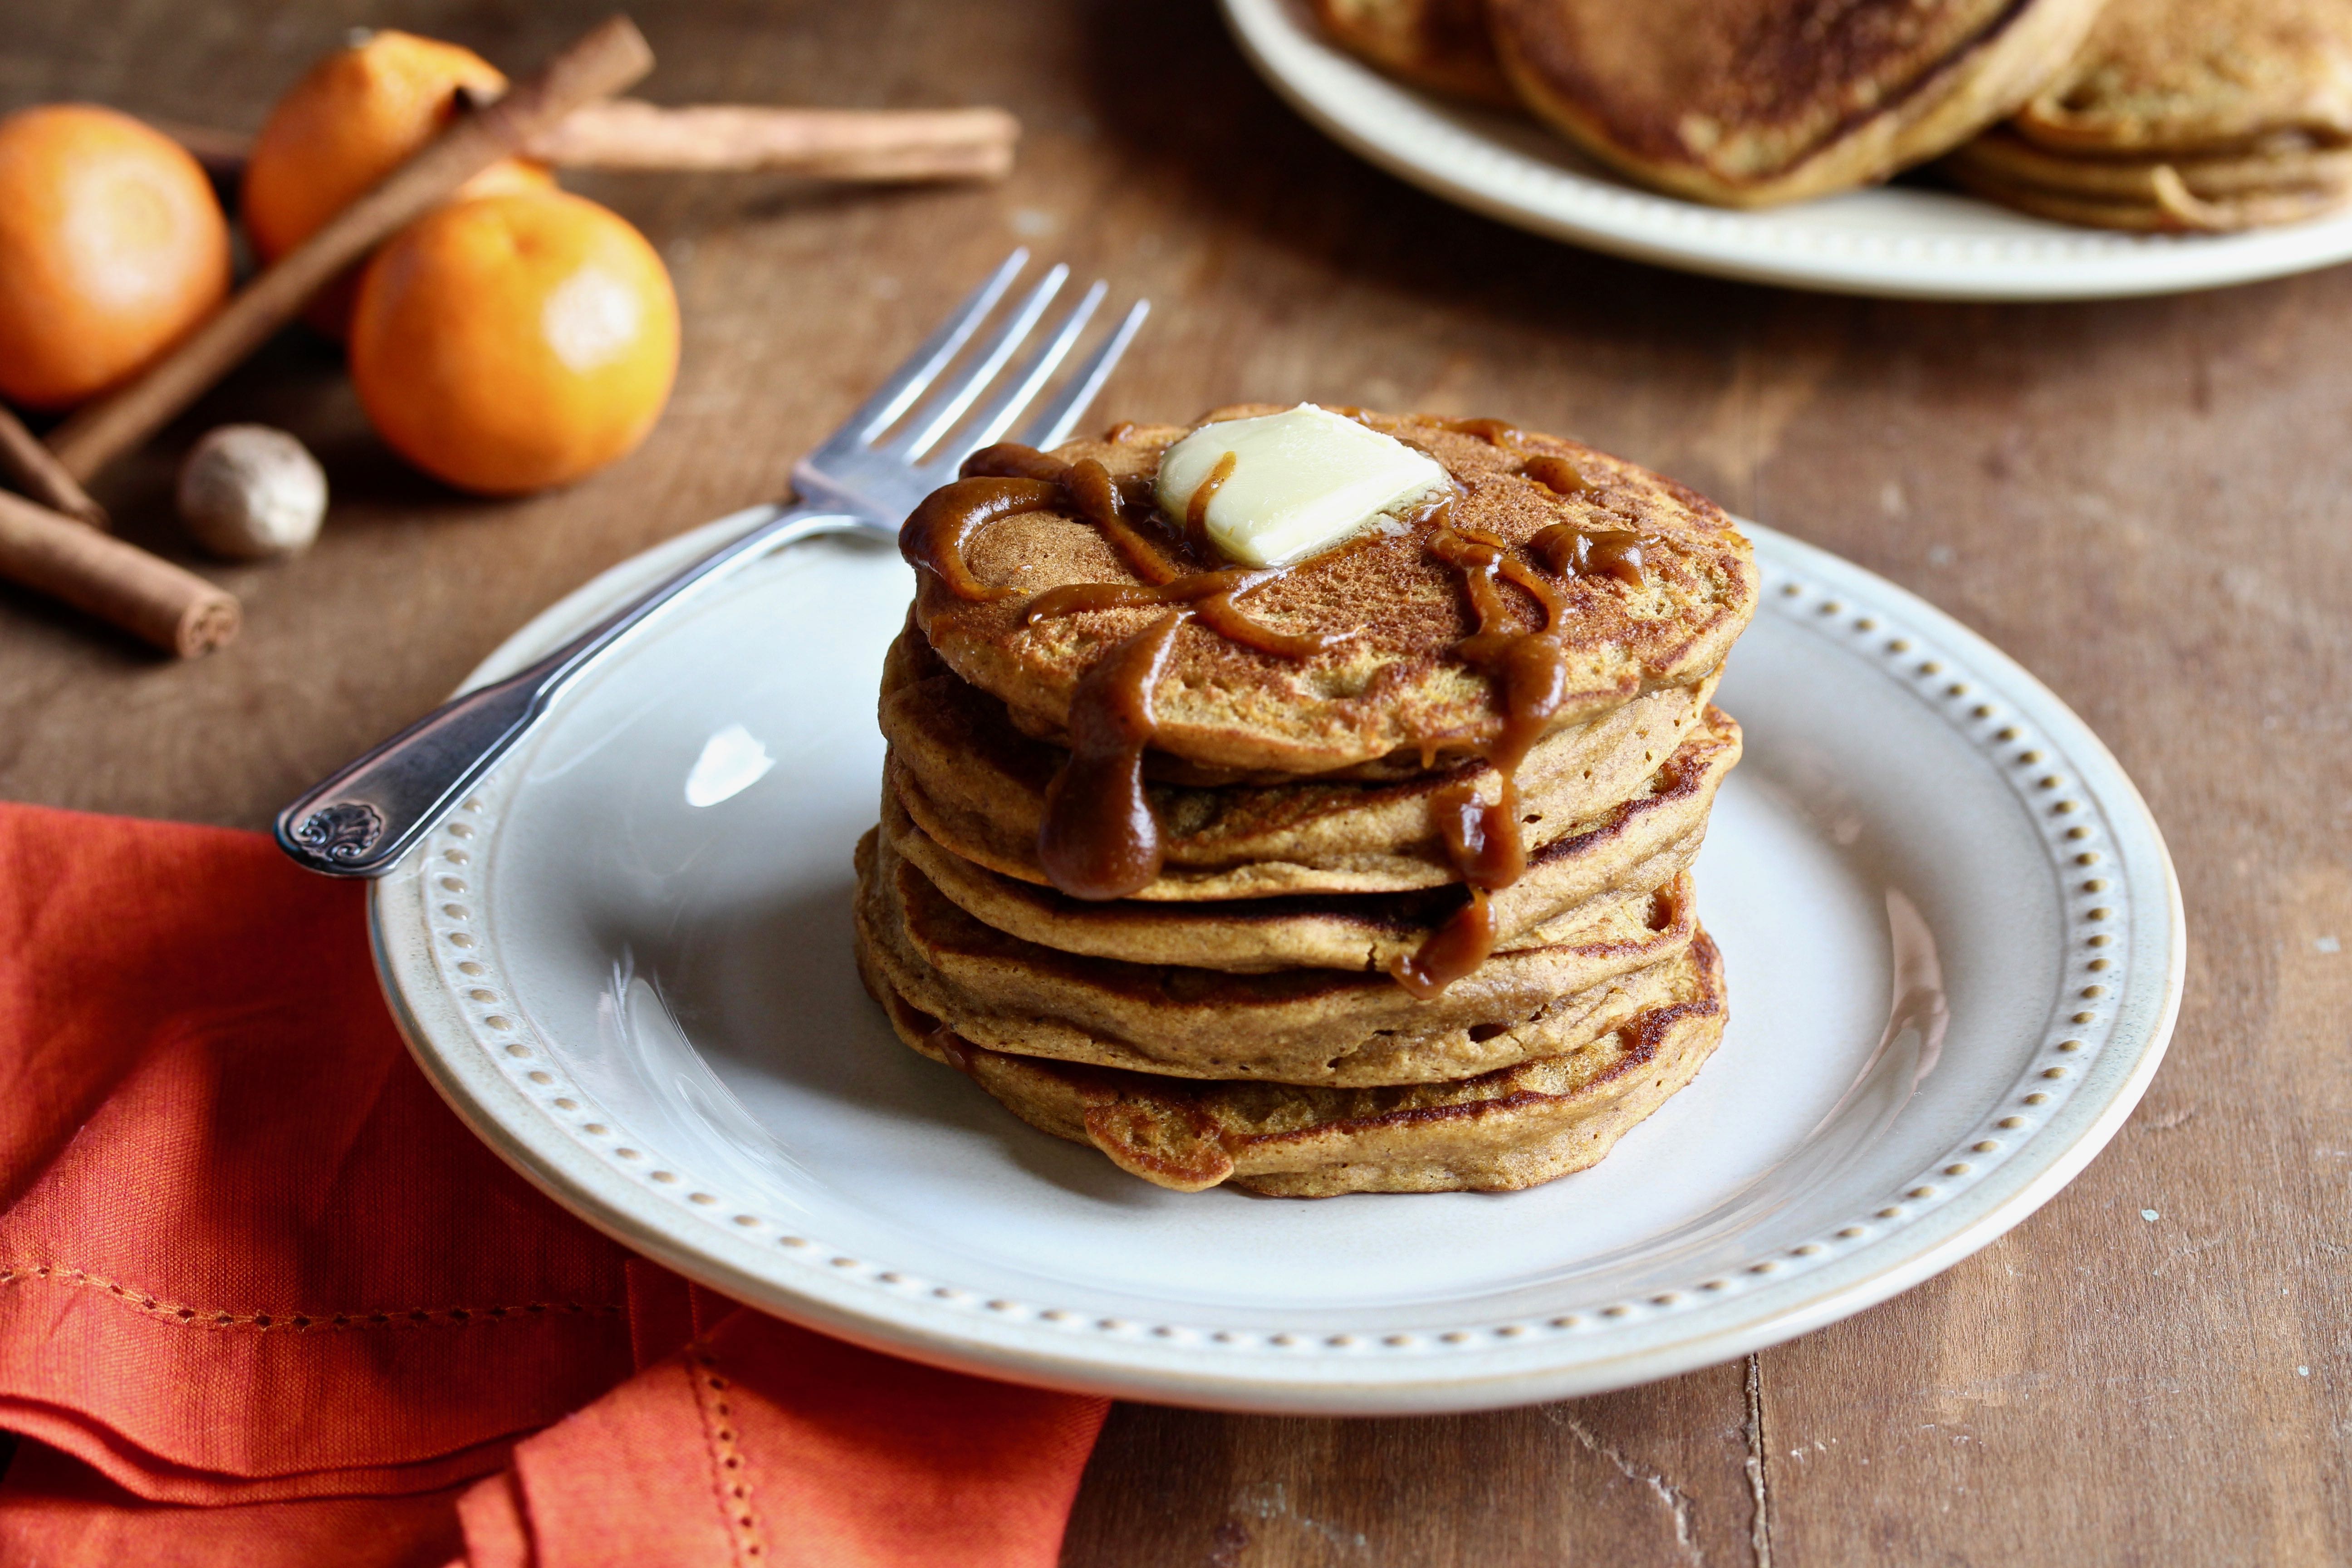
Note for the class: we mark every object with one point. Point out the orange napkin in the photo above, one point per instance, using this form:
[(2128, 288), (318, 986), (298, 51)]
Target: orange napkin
[(264, 1301)]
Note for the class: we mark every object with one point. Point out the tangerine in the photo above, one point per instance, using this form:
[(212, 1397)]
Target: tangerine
[(112, 247), (353, 117), (515, 341)]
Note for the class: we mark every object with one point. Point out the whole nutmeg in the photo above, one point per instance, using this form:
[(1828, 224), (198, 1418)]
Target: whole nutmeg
[(248, 492)]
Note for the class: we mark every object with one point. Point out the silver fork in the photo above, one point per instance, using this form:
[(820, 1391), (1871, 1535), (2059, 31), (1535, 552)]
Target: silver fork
[(359, 820)]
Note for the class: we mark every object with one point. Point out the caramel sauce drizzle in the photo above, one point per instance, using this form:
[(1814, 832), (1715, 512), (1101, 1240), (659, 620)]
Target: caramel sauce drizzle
[(1096, 497), (1529, 669), (1209, 594), (1100, 838), (1501, 433), (1012, 460), (1575, 552), (933, 538), (1196, 510), (950, 1044), (1558, 475), (1084, 486), (1482, 838), (1494, 432)]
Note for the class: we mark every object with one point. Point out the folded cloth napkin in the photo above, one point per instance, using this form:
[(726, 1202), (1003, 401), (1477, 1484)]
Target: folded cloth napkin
[(264, 1301)]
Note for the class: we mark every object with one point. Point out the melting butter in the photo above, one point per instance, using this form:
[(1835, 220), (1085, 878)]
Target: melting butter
[(1300, 482)]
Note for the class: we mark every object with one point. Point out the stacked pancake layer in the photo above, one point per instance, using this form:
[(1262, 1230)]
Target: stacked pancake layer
[(2186, 116), (1740, 102), (2151, 115), (1295, 991)]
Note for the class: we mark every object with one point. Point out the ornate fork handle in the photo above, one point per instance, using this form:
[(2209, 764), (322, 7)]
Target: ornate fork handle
[(359, 820)]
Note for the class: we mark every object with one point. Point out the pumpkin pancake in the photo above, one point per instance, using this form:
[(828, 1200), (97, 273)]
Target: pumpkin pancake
[(1395, 685), (2174, 211), (2220, 194), (1439, 44), (1756, 102), (1628, 849), (977, 786), (2201, 76), (2001, 153), (2198, 116), (1348, 932), (1499, 1131), (1295, 1026)]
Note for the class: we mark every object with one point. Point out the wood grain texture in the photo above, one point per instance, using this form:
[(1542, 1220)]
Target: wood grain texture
[(2147, 502), (1649, 1477)]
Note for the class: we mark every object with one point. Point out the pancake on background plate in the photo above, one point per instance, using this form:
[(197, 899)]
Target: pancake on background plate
[(1756, 102), (1307, 798), (2185, 115), (1440, 44)]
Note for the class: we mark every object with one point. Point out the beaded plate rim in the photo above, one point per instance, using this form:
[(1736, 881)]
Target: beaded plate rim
[(2101, 1041), (1858, 244)]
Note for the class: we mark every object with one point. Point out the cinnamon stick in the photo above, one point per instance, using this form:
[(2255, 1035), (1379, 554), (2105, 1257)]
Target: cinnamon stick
[(823, 143), (879, 144), (608, 59), (40, 476), (144, 594)]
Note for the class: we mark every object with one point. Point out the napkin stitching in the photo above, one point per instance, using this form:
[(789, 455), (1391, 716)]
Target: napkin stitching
[(187, 1316), (730, 1479)]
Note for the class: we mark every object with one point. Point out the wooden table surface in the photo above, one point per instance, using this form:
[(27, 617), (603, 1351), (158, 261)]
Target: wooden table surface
[(2148, 503)]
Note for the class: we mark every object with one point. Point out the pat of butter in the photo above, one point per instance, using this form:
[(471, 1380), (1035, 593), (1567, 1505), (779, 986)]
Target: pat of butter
[(1301, 482)]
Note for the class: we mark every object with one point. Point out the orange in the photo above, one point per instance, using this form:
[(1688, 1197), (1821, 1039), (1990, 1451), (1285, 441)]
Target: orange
[(111, 247), (359, 114), (512, 343)]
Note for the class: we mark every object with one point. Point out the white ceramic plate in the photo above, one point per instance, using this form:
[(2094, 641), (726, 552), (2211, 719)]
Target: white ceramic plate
[(1952, 935), (1892, 240)]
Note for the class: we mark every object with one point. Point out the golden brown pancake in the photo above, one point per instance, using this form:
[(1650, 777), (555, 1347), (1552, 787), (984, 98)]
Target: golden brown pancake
[(2196, 116), (1295, 1026), (2002, 154), (1364, 933), (1627, 850), (977, 785), (1395, 686), (2220, 194), (1399, 903), (1439, 44), (1756, 102), (1502, 1131), (2174, 210), (2201, 76)]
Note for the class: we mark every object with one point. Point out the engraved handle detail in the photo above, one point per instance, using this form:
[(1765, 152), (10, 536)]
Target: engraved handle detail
[(341, 832), (360, 821)]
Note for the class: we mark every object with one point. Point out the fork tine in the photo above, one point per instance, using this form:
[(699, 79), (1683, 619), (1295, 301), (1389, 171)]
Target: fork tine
[(920, 369), (998, 416), (1053, 422), (934, 420)]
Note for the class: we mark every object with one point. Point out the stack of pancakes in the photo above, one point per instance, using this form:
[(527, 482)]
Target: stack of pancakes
[(2184, 115), (2189, 115), (1321, 942), (1738, 103)]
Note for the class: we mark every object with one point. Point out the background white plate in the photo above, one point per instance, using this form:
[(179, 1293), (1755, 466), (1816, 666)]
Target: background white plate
[(1891, 240), (1953, 941)]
